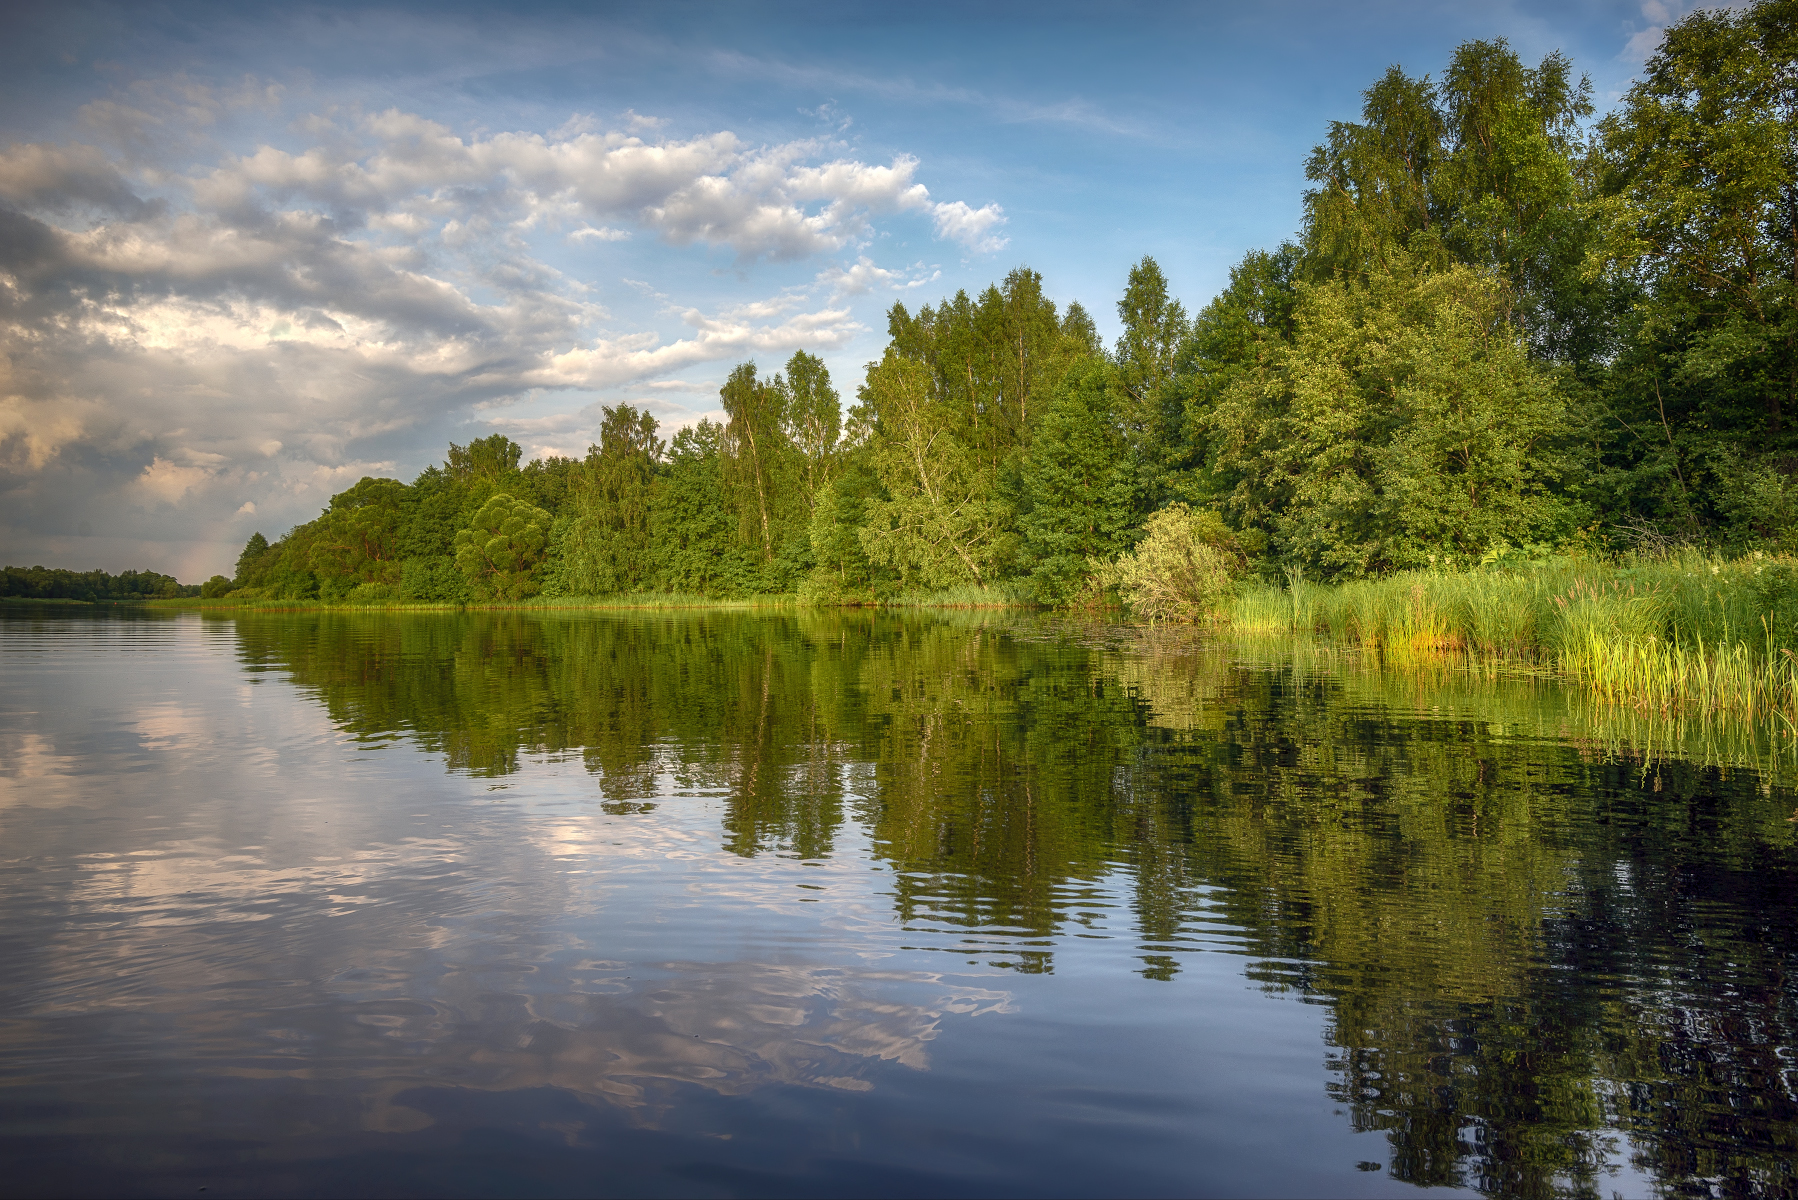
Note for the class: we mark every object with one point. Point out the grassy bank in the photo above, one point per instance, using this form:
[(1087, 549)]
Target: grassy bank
[(968, 595), (637, 600), (1691, 631), (989, 597)]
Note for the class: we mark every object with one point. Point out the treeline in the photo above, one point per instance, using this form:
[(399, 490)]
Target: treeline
[(54, 583), (1500, 327)]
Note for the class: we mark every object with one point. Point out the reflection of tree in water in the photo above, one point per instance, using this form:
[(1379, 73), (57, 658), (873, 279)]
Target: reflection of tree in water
[(1527, 946)]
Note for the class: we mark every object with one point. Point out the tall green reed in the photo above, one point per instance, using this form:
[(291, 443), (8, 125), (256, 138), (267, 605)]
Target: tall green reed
[(1687, 631)]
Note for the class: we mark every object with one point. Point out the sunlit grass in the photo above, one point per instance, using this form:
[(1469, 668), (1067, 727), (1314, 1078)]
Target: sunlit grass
[(967, 595), (1183, 677), (1686, 632), (632, 600), (646, 600)]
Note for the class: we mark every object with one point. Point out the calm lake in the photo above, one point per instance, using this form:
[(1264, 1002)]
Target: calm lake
[(726, 903)]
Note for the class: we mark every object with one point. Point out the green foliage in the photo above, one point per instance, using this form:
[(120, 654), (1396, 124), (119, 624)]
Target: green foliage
[(694, 531), (604, 545), (253, 551), (941, 521), (1183, 570), (492, 459), (501, 548), (435, 580), (54, 583), (1701, 222), (1080, 489), (812, 420), (991, 363), (1493, 329), (1147, 357), (215, 587), (843, 573), (356, 540), (1480, 169), (1402, 422)]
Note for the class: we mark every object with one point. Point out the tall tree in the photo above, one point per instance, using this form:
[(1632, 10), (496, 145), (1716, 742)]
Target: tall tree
[(1484, 168), (502, 547), (1155, 327), (1702, 183), (493, 458), (605, 542), (693, 525), (942, 522), (357, 539), (813, 420), (253, 550), (1080, 488), (1405, 421), (755, 448)]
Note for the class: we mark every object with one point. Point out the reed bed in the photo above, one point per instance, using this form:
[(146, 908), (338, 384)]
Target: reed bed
[(1687, 632), (1185, 684)]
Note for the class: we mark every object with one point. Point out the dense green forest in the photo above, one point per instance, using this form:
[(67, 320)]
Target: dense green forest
[(1503, 327), (48, 583)]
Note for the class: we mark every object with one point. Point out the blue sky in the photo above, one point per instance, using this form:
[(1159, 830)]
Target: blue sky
[(249, 254)]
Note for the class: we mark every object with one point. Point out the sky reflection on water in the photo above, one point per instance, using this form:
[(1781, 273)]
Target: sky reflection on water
[(729, 904)]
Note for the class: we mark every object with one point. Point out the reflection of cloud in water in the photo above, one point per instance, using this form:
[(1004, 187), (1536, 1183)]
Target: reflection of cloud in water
[(26, 755), (729, 1028)]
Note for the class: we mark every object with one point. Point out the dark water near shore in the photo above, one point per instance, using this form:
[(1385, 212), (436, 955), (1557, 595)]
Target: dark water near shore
[(726, 904)]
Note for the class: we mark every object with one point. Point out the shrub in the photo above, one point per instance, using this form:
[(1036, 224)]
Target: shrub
[(1184, 568), (434, 579), (373, 593)]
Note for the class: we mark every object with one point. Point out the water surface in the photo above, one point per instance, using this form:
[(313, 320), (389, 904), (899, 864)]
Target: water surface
[(729, 904)]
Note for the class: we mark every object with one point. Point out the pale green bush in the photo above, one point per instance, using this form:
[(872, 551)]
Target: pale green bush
[(1184, 569)]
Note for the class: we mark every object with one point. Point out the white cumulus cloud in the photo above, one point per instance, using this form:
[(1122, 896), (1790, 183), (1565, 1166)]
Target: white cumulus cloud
[(187, 350), (974, 228)]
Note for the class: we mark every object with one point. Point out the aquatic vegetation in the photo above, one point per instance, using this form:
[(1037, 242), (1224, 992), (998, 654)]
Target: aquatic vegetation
[(968, 595), (1690, 630)]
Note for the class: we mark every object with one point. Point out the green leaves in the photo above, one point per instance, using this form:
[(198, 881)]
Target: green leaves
[(1482, 168), (1401, 423), (1701, 218), (604, 545), (1080, 488), (1184, 568), (502, 546), (942, 522)]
